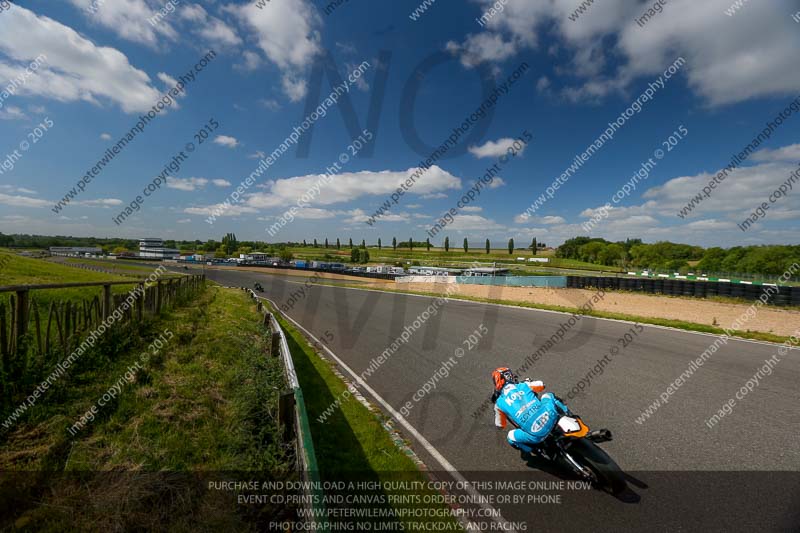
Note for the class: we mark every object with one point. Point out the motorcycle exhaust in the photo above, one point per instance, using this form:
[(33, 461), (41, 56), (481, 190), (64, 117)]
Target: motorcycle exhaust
[(600, 435)]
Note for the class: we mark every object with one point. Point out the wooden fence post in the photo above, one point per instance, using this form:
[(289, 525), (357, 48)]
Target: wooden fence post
[(158, 297), (106, 301), (276, 344), (22, 313), (286, 415), (140, 302)]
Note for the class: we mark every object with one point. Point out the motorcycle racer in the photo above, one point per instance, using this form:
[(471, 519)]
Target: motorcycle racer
[(532, 410)]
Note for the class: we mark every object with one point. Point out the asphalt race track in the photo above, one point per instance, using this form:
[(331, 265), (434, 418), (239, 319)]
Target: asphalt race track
[(741, 473)]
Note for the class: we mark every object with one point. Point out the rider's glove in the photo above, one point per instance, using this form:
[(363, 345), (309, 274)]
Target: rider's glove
[(495, 396), (537, 386)]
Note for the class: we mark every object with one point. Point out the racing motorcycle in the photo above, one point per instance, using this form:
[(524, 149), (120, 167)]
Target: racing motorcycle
[(257, 286), (572, 444)]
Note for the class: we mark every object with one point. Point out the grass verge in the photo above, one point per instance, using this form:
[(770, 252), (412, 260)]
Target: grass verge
[(203, 404)]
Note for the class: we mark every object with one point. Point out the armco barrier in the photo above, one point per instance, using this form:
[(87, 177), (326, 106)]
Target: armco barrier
[(786, 295), (305, 443)]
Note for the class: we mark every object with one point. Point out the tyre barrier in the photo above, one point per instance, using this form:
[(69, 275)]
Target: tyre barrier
[(737, 290), (687, 288), (752, 292), (712, 288), (795, 298), (782, 299), (786, 295), (700, 288), (669, 287), (724, 288)]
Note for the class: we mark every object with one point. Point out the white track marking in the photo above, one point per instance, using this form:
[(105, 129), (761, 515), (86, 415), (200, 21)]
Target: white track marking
[(444, 463)]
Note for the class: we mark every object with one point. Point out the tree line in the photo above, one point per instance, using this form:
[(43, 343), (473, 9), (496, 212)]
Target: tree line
[(765, 260)]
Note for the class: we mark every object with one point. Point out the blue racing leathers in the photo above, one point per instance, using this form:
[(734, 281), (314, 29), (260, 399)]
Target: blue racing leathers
[(533, 415)]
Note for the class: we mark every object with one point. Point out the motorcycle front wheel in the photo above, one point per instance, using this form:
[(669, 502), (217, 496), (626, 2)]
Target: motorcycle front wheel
[(608, 474)]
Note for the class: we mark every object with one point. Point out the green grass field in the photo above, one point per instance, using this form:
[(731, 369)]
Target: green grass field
[(121, 266), (205, 402), (16, 270), (455, 258)]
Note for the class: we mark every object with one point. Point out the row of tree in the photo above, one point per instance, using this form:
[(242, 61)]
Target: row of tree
[(411, 244), (229, 245), (766, 260)]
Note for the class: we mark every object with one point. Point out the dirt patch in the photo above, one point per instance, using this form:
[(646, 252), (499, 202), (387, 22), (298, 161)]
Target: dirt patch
[(781, 322), (699, 311), (321, 275)]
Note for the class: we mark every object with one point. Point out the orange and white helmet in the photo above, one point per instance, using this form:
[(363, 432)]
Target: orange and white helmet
[(502, 376)]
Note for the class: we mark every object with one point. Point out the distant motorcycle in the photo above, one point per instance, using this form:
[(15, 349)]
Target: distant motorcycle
[(258, 287), (572, 444)]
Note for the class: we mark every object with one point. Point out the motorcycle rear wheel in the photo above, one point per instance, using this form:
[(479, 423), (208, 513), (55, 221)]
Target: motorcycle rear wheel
[(608, 473)]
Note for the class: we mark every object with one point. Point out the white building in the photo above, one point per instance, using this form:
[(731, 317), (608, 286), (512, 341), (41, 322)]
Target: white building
[(379, 269), (75, 250), (151, 248), (257, 257), (433, 271)]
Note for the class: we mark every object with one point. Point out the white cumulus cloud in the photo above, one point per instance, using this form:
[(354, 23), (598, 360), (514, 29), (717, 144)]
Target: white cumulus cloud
[(73, 68), (225, 140), (495, 148)]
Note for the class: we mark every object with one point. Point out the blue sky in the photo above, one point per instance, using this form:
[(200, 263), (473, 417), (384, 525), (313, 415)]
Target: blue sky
[(105, 64)]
